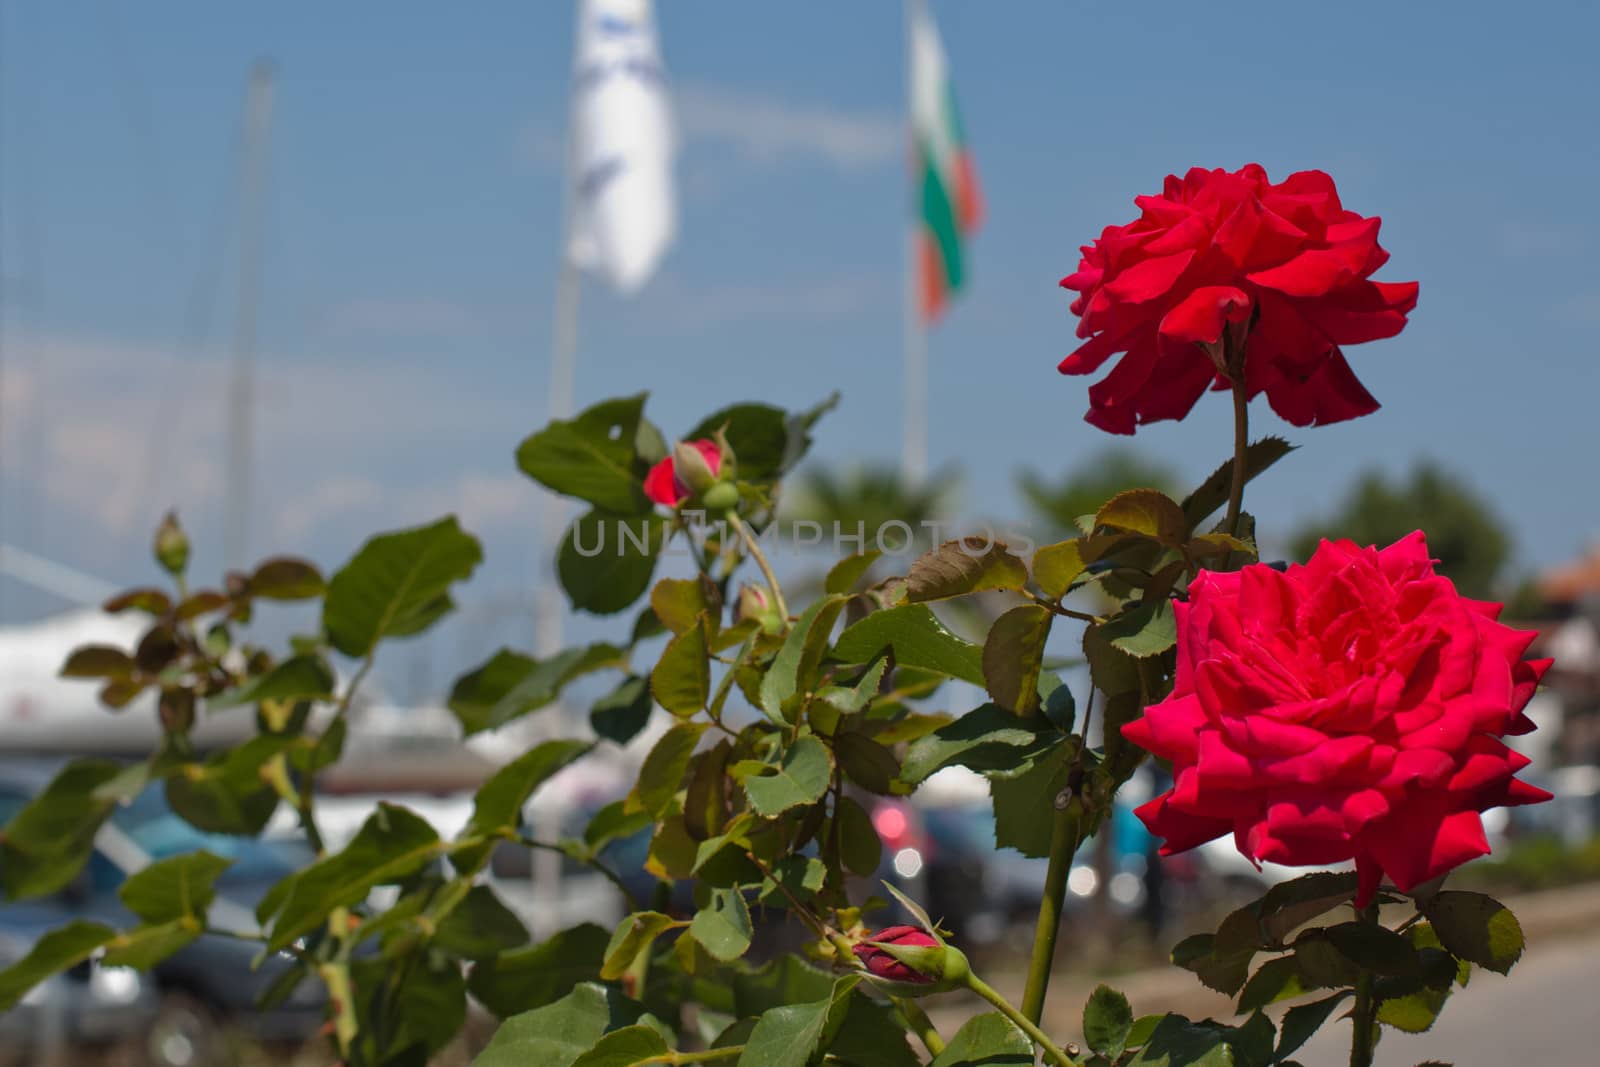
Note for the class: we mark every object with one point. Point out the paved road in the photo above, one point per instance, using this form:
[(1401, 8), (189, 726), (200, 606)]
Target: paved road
[(1546, 1013)]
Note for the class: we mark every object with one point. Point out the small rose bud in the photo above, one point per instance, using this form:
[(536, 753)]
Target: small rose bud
[(913, 958), (721, 497), (172, 545), (694, 466), (755, 606)]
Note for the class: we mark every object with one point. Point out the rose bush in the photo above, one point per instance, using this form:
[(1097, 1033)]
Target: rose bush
[(1350, 708), (1219, 250), (1353, 708)]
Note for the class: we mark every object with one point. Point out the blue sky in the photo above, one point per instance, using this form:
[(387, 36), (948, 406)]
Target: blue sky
[(414, 208)]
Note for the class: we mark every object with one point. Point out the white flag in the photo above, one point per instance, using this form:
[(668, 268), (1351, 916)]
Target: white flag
[(622, 144)]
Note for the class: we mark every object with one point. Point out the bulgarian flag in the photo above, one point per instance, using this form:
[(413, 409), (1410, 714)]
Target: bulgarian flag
[(946, 183)]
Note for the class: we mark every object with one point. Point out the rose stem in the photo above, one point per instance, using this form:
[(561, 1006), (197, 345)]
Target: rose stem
[(1241, 441), (1364, 1015), (1064, 842), (761, 561), (921, 1025)]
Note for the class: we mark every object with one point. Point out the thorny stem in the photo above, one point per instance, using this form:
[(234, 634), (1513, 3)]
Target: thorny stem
[(921, 1025), (1051, 1051), (1365, 1013), (1064, 841), (761, 561)]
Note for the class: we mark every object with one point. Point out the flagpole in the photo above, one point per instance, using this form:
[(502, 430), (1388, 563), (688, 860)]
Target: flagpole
[(241, 466), (548, 607), (914, 446)]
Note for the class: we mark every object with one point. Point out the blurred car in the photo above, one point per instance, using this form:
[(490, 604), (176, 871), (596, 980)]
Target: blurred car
[(211, 984), (90, 1005)]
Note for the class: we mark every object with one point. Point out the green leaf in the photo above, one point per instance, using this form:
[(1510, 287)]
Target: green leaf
[(662, 772), (1057, 566), (1376, 948), (522, 979), (1142, 1028), (1107, 1020), (868, 764), (606, 559), (678, 602), (226, 793), (801, 778), (98, 661), (1291, 904), (1213, 492), (510, 685), (1013, 655), (621, 714), (296, 678), (557, 1034), (681, 680), (872, 1033), (592, 457), (860, 847), (1277, 979), (988, 1040), (1148, 629), (918, 639), (46, 843), (397, 585), (1147, 512), (611, 822), (1321, 963), (481, 927), (285, 578), (1024, 805), (625, 1047), (1222, 960), (392, 845), (147, 599), (845, 575), (1414, 1012), (633, 935), (968, 565), (147, 946), (723, 926), (802, 876), (802, 650), (56, 951), (987, 738), (789, 1036), (178, 887), (1252, 1040), (497, 809), (1176, 1042), (766, 441), (1476, 928), (1300, 1022)]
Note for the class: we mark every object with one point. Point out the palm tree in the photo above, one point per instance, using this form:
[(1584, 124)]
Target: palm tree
[(1080, 491)]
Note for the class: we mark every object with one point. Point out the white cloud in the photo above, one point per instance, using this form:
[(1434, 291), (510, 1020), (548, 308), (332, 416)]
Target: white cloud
[(764, 130), (769, 131), (115, 432)]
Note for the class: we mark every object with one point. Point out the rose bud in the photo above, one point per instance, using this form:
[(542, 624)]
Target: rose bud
[(754, 606), (912, 957), (694, 466)]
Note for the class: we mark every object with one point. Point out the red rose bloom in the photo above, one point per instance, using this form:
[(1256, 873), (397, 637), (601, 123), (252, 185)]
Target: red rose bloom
[(883, 965), (663, 485), (1286, 262), (1350, 708)]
